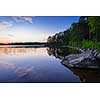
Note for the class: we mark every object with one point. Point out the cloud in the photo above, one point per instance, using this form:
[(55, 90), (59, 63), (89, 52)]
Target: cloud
[(23, 19), (10, 35), (5, 25)]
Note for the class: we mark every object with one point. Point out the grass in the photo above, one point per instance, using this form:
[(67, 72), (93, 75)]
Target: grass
[(85, 44), (74, 44), (91, 44)]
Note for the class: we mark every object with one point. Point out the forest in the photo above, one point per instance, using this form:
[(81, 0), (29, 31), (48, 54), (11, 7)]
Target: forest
[(85, 34)]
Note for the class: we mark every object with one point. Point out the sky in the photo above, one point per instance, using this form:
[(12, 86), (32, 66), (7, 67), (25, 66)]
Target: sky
[(32, 28)]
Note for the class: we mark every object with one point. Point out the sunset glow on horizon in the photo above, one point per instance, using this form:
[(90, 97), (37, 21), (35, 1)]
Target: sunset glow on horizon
[(32, 29)]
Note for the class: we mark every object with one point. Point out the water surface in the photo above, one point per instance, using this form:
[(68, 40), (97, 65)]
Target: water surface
[(39, 64)]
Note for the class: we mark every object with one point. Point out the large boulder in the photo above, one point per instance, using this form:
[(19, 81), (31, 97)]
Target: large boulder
[(86, 59)]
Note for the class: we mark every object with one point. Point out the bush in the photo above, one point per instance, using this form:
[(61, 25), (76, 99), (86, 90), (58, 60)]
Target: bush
[(85, 44), (90, 44)]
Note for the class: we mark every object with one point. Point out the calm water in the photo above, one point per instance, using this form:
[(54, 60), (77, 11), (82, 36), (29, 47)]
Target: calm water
[(38, 64)]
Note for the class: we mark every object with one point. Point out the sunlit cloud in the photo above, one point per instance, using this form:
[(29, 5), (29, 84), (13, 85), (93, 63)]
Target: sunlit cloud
[(23, 19), (5, 25)]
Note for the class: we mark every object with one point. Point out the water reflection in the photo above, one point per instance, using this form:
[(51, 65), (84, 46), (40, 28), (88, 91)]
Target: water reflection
[(18, 50), (61, 52), (85, 75), (31, 64), (17, 63)]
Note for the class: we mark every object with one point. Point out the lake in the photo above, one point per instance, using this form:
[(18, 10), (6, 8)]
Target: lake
[(31, 64)]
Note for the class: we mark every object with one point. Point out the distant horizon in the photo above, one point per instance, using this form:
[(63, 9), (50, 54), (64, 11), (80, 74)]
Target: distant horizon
[(23, 42)]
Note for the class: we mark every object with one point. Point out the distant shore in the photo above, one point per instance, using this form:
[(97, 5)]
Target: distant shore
[(25, 43)]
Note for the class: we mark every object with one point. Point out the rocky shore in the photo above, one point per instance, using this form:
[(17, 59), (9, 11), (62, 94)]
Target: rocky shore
[(88, 58)]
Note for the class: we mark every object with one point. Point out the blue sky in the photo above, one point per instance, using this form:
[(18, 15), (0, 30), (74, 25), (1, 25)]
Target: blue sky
[(32, 28)]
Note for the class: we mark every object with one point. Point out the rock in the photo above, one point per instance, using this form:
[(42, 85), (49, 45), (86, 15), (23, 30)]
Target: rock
[(98, 56), (86, 59), (76, 48)]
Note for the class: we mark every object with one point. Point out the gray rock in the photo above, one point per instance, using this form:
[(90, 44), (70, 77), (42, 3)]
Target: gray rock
[(98, 56), (86, 59)]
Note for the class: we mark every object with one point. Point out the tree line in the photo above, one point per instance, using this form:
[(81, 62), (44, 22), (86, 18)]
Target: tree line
[(86, 29)]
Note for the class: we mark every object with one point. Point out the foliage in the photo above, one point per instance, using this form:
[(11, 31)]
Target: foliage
[(84, 33), (90, 44), (94, 23)]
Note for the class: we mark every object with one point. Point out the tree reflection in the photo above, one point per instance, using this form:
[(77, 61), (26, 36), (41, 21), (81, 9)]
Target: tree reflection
[(85, 75), (60, 52)]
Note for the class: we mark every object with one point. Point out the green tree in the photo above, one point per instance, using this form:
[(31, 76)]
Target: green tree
[(75, 33), (94, 24), (84, 27)]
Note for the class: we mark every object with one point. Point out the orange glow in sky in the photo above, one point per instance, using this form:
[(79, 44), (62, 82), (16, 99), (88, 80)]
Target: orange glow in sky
[(20, 35)]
